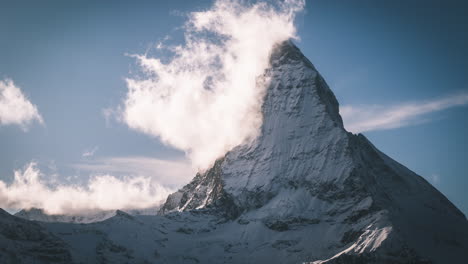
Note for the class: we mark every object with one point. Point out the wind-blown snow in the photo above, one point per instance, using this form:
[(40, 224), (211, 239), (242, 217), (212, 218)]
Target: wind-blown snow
[(207, 99)]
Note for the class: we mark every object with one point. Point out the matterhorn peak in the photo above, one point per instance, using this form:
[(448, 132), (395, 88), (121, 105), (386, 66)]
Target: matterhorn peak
[(331, 191), (300, 117)]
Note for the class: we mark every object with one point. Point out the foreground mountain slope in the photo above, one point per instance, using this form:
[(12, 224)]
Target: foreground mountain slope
[(22, 241)]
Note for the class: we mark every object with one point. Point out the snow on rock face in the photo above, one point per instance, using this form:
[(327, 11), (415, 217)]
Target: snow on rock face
[(301, 126), (302, 136), (306, 172)]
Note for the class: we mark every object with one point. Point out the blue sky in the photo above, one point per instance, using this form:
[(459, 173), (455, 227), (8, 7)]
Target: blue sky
[(69, 60)]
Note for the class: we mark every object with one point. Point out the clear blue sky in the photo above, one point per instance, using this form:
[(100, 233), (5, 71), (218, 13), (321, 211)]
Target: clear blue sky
[(68, 57)]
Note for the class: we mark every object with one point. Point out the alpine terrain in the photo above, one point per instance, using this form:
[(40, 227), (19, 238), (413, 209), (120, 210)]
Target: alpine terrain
[(304, 191)]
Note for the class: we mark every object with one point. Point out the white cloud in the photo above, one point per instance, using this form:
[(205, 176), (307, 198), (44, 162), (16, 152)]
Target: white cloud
[(103, 192), (166, 172), (364, 118), (207, 99), (89, 152), (15, 108), (111, 114)]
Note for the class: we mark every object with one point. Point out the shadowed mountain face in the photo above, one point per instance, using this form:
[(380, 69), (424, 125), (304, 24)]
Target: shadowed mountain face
[(22, 241), (305, 191)]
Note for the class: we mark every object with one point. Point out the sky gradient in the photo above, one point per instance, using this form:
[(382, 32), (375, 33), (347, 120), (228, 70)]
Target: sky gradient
[(69, 59)]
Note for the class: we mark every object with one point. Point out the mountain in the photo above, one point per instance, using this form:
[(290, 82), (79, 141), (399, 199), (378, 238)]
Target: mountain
[(22, 241), (304, 191), (36, 214), (306, 173)]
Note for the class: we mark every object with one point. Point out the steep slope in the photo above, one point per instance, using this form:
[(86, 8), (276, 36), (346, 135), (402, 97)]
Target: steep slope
[(305, 169)]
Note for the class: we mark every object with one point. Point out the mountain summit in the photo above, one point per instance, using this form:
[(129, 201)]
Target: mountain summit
[(304, 191), (301, 130), (333, 193)]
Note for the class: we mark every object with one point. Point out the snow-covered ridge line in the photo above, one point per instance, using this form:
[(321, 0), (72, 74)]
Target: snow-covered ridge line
[(35, 214)]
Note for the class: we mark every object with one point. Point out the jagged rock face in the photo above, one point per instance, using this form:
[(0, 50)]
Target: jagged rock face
[(302, 140), (204, 189), (305, 169), (302, 148), (300, 120)]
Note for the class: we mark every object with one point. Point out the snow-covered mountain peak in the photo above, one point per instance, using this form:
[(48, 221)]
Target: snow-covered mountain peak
[(305, 173), (288, 64), (301, 123)]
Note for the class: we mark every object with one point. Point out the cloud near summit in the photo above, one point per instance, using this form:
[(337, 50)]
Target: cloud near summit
[(206, 99)]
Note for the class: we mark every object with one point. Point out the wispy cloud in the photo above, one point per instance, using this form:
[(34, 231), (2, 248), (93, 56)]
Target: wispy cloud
[(111, 114), (362, 118), (15, 108), (166, 172), (89, 152)]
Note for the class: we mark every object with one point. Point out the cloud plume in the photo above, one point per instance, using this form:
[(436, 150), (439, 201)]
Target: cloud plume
[(364, 118), (103, 192), (15, 108), (206, 99)]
